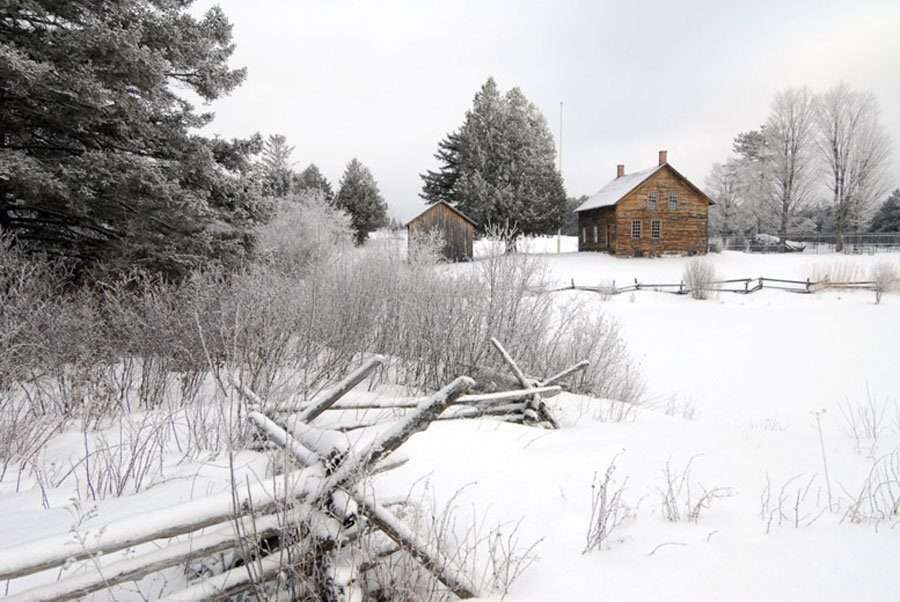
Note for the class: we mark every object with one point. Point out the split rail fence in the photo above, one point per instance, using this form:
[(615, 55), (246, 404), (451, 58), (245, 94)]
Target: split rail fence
[(744, 286), (292, 523)]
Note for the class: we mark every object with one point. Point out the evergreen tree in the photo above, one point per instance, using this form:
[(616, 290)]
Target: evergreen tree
[(570, 218), (312, 179), (499, 166), (99, 156), (887, 218), (276, 166), (358, 195)]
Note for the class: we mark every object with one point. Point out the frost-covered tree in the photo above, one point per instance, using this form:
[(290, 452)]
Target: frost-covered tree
[(855, 149), (887, 218), (276, 165), (724, 185), (750, 167), (313, 179), (359, 196), (499, 166), (100, 159), (789, 166)]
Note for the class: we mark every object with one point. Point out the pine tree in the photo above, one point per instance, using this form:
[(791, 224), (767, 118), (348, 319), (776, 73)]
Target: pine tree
[(276, 166), (887, 218), (358, 195), (99, 156), (312, 179), (499, 166)]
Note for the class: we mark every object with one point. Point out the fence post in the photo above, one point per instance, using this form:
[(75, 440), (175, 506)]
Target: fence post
[(637, 285), (681, 288)]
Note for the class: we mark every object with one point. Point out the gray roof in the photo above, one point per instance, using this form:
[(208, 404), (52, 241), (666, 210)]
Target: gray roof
[(610, 194)]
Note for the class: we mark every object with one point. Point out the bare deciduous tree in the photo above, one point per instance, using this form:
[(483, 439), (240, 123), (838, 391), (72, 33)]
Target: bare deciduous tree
[(855, 148), (790, 134)]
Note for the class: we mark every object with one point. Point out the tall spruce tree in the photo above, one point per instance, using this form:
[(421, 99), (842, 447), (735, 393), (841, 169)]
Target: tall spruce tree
[(358, 195), (313, 179), (99, 156), (499, 166), (277, 170)]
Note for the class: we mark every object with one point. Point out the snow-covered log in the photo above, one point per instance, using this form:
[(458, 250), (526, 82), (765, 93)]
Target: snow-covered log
[(380, 516), (520, 376), (468, 413), (237, 579), (564, 373), (310, 410), (474, 399), (221, 538), (261, 498), (427, 555)]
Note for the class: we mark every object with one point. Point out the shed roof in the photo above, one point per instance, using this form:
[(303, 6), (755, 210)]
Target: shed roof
[(449, 206)]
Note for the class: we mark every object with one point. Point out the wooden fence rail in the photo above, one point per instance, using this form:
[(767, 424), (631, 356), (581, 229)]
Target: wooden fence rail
[(316, 497), (750, 285)]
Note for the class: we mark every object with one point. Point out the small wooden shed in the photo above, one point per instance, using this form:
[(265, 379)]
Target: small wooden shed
[(456, 228)]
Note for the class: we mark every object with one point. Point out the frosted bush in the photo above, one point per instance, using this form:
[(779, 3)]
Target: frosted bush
[(699, 275)]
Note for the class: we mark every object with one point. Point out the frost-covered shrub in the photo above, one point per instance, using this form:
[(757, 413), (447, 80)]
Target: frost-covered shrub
[(699, 275), (305, 231), (715, 245), (885, 277), (827, 272)]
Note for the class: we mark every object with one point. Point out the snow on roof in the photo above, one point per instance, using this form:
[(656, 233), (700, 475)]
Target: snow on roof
[(610, 194), (451, 206)]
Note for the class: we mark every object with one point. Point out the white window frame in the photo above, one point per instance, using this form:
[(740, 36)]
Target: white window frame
[(673, 200), (656, 229), (596, 237), (636, 229), (652, 199)]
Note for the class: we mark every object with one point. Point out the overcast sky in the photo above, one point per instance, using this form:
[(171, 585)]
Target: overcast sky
[(383, 81)]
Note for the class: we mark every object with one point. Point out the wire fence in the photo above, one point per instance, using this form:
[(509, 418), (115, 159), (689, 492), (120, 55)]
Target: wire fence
[(815, 243)]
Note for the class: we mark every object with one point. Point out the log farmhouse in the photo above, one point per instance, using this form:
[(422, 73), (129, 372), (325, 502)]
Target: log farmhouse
[(646, 213)]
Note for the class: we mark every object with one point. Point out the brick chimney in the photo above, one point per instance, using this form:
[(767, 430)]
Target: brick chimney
[(620, 171), (663, 157)]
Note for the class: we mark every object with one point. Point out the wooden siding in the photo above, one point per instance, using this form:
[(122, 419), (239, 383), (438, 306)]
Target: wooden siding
[(458, 233), (604, 220), (683, 230)]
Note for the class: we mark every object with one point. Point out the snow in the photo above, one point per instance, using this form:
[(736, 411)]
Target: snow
[(732, 382), (610, 194)]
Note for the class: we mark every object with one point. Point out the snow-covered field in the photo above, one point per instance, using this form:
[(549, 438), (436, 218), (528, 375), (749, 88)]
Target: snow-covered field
[(732, 382)]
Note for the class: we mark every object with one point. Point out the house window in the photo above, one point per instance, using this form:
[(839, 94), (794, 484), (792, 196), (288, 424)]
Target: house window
[(595, 234), (655, 229), (651, 200), (583, 234), (636, 229), (673, 200)]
